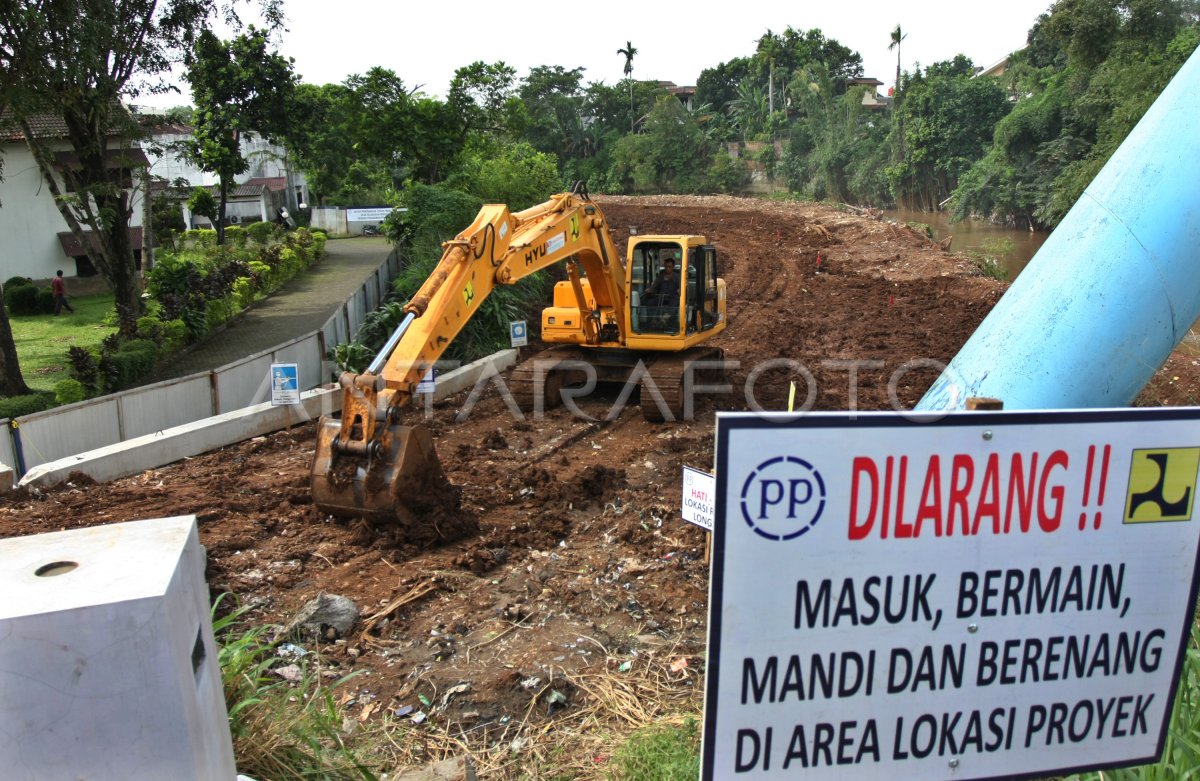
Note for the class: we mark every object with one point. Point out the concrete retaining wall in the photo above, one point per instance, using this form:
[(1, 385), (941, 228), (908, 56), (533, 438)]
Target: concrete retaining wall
[(63, 432), (154, 450)]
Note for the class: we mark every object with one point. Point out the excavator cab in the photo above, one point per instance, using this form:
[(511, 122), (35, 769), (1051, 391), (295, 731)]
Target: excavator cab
[(656, 271), (674, 287)]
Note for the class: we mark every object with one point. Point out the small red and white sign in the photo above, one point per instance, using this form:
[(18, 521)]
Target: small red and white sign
[(699, 498)]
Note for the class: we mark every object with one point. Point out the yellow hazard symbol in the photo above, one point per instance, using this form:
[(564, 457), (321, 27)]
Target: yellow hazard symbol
[(574, 227), (1162, 485), (469, 292)]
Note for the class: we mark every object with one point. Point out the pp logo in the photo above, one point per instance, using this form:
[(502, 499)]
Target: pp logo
[(783, 498)]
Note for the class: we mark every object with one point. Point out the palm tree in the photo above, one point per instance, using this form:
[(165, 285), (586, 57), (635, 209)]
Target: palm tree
[(897, 37), (629, 52), (769, 47)]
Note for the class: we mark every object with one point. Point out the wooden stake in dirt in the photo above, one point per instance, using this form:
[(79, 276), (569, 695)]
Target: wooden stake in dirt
[(983, 403)]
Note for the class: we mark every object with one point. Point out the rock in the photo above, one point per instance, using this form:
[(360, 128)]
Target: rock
[(327, 617)]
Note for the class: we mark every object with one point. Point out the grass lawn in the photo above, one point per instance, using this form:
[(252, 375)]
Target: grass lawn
[(43, 340)]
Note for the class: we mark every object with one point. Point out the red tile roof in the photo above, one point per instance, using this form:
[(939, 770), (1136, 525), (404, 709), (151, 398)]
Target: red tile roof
[(274, 183), (42, 125)]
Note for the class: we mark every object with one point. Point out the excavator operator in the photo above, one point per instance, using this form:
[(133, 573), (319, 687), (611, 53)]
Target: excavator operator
[(663, 295)]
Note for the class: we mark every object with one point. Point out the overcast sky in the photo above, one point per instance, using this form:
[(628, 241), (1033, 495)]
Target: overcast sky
[(425, 42)]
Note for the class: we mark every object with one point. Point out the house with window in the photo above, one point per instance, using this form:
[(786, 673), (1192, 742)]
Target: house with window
[(35, 240)]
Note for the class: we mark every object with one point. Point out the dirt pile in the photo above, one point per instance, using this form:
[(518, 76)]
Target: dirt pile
[(581, 562)]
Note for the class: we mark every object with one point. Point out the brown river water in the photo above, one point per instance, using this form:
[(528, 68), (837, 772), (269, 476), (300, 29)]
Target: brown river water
[(1011, 247)]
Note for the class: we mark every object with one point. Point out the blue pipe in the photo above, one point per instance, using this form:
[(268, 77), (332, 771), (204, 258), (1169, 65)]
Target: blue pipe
[(1115, 287)]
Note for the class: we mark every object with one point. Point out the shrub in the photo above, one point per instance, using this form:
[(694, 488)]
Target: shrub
[(16, 406), (45, 301), (243, 292), (69, 391), (319, 240), (150, 328), (21, 300), (217, 311), (84, 368), (17, 282), (727, 174), (200, 237), (174, 334), (129, 363), (261, 232), (235, 235)]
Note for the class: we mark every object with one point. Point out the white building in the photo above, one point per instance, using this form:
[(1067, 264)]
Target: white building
[(35, 240), (268, 184)]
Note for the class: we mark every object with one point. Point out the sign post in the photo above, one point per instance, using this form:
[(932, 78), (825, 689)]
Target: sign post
[(285, 384), (518, 334), (996, 594)]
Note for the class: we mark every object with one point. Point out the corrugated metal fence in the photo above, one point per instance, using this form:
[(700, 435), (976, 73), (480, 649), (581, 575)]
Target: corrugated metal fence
[(30, 440)]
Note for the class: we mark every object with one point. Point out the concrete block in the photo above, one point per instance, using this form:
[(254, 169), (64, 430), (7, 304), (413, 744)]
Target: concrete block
[(108, 667), (8, 478), (465, 377)]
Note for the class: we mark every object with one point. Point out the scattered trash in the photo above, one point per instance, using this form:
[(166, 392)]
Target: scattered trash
[(462, 687), (625, 667), (290, 651), (424, 700), (531, 683), (419, 717), (403, 711), (290, 673), (327, 617), (518, 744), (556, 697), (679, 664)]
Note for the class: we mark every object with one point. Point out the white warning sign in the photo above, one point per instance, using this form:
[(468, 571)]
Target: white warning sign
[(992, 595)]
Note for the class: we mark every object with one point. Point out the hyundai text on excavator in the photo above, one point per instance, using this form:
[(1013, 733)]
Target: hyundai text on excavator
[(606, 325)]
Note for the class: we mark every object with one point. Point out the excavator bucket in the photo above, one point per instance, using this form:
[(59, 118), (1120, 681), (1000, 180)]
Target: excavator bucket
[(400, 485)]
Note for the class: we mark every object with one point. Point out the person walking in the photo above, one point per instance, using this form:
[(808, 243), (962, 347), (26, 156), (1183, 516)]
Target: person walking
[(59, 288)]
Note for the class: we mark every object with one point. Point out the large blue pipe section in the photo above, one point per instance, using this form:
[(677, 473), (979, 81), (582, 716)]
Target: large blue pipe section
[(1115, 287)]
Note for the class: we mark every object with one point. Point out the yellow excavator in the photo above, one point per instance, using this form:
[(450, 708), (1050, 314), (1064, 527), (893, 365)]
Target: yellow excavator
[(617, 322)]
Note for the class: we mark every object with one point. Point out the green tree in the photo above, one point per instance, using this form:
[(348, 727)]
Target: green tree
[(718, 87), (946, 123), (77, 59), (202, 202), (628, 53), (1089, 72), (553, 97), (515, 174), (837, 147), (322, 143), (897, 38), (240, 88), (484, 95), (669, 155)]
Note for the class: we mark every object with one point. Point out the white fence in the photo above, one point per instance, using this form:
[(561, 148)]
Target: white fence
[(31, 440)]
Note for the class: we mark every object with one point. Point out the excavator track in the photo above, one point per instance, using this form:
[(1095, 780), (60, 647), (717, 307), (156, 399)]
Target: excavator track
[(666, 401), (543, 375)]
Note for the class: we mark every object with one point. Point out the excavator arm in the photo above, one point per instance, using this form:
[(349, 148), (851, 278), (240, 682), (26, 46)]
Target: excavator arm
[(367, 464)]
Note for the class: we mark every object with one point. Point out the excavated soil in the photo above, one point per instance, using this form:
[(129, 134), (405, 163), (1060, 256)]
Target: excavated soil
[(581, 561)]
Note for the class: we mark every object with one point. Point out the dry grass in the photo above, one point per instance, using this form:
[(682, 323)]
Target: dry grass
[(609, 707)]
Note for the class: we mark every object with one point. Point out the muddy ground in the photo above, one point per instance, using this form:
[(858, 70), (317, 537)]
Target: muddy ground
[(581, 563)]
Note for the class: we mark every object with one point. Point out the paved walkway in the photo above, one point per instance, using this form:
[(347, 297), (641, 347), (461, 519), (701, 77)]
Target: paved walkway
[(299, 307)]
